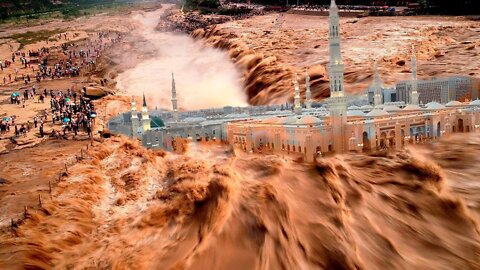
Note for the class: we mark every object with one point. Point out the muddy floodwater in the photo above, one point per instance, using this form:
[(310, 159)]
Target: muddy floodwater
[(127, 207), (205, 77), (272, 48)]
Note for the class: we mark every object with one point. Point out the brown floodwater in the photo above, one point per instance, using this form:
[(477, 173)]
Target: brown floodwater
[(270, 49), (128, 207)]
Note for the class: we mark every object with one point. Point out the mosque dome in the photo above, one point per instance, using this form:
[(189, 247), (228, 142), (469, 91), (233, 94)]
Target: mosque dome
[(435, 106), (390, 108), (289, 120), (236, 115), (366, 107), (309, 120), (475, 102), (194, 119), (412, 107), (355, 113), (353, 107), (453, 103), (377, 113), (272, 120)]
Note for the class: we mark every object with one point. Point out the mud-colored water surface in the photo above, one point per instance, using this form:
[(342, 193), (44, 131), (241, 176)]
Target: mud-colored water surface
[(272, 48), (128, 207)]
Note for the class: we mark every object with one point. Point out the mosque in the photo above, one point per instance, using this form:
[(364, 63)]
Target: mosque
[(308, 131)]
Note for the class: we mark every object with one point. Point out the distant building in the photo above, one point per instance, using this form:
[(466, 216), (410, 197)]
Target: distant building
[(377, 89), (441, 90)]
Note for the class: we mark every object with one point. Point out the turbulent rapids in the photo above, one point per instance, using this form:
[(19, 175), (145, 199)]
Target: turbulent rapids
[(270, 49), (128, 207), (196, 68)]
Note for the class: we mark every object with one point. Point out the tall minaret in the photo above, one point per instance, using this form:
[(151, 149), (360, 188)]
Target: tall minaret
[(297, 104), (335, 68), (134, 118), (414, 93), (145, 116), (174, 100), (308, 94), (377, 87), (338, 103)]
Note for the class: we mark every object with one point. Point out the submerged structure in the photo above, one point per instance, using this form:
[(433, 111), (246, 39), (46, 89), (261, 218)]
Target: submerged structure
[(308, 131)]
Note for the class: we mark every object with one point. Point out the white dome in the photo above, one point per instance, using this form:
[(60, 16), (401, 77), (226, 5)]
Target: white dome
[(236, 115), (475, 102), (194, 119), (377, 112), (353, 107), (453, 103), (366, 107), (272, 120), (355, 113), (390, 108), (412, 107), (435, 106), (289, 120), (309, 120)]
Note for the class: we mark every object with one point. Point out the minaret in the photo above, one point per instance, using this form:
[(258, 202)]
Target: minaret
[(134, 118), (337, 101), (174, 100), (335, 68), (377, 87), (308, 94), (145, 116), (297, 109), (414, 93)]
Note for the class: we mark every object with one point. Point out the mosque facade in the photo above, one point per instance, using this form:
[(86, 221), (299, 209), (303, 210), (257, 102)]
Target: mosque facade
[(306, 131)]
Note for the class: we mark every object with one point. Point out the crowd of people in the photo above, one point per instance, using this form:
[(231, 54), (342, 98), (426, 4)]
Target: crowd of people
[(191, 21), (76, 58), (70, 111)]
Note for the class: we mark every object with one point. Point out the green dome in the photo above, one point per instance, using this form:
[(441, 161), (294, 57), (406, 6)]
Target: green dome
[(156, 122)]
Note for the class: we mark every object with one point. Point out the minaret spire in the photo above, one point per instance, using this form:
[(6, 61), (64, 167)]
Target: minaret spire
[(414, 94), (134, 118), (174, 99), (335, 68), (337, 102), (377, 86), (308, 94), (134, 108), (145, 116), (298, 106)]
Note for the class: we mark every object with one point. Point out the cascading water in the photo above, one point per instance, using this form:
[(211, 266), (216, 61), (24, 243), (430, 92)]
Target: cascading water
[(205, 77)]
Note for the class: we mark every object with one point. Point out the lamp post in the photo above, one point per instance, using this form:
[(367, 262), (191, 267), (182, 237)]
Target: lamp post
[(360, 146), (407, 139)]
